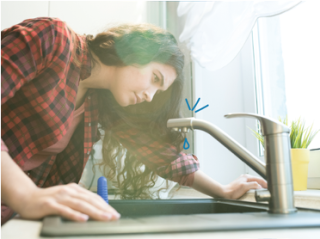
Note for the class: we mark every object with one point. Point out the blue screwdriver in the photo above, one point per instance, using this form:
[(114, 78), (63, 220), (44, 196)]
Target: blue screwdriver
[(103, 188)]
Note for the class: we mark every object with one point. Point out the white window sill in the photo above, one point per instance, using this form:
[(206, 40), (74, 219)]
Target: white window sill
[(306, 199)]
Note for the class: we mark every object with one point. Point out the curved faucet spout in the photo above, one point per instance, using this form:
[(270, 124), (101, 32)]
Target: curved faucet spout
[(241, 152)]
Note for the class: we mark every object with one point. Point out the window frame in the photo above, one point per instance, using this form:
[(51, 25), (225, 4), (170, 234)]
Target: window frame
[(251, 101)]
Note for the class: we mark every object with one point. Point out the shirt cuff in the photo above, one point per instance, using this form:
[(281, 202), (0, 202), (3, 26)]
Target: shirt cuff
[(180, 169), (4, 146)]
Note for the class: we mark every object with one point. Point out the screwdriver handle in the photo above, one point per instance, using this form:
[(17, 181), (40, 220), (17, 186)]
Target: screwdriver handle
[(103, 188)]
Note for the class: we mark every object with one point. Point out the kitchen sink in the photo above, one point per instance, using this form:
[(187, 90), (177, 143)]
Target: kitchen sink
[(182, 215)]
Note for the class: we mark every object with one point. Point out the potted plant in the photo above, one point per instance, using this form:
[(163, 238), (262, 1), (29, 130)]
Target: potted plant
[(300, 138)]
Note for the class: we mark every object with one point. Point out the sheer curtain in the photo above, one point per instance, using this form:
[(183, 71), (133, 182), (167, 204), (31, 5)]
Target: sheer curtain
[(215, 31)]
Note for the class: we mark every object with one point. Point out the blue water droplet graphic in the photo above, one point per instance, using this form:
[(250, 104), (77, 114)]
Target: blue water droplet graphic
[(186, 142)]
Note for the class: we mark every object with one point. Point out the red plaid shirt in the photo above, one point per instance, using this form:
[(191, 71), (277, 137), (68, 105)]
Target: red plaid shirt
[(39, 82)]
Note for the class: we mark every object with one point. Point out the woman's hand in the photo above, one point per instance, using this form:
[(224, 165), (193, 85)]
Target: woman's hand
[(203, 183), (241, 185), (70, 201)]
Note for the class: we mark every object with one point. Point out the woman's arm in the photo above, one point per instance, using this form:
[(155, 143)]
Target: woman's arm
[(70, 201), (203, 183), (15, 185)]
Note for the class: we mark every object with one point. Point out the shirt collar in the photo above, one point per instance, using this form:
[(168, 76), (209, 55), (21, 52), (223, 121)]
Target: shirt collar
[(85, 70)]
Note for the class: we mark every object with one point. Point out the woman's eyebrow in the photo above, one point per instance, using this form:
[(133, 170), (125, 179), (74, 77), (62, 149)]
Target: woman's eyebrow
[(162, 79)]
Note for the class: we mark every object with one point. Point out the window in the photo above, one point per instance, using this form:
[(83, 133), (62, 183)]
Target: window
[(287, 58)]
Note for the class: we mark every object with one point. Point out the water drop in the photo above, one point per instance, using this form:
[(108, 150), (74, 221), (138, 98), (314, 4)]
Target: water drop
[(186, 142)]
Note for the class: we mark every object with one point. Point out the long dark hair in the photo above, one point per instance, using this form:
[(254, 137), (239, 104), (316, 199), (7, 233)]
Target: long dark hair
[(124, 45)]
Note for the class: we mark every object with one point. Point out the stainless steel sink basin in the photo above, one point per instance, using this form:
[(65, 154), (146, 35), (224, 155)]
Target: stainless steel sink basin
[(182, 215)]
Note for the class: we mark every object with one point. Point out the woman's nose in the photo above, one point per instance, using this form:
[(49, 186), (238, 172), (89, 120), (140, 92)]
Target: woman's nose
[(149, 94)]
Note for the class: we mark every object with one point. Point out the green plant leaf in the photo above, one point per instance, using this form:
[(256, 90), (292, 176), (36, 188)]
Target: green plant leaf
[(258, 136), (300, 131), (306, 137), (293, 134), (284, 121)]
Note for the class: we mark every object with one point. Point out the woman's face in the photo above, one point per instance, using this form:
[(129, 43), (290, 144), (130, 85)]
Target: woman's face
[(135, 84)]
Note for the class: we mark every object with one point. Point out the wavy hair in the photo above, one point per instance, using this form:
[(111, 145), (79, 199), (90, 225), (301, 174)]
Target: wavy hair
[(125, 45)]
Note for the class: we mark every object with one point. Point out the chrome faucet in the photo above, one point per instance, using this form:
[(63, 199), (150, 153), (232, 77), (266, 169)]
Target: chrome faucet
[(277, 170)]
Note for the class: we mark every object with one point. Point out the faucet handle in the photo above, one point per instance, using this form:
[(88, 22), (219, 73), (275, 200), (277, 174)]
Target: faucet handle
[(268, 125)]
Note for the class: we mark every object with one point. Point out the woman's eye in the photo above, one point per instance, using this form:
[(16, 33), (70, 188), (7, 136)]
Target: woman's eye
[(156, 78)]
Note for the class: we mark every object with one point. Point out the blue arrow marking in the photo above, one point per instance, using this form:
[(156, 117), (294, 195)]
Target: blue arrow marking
[(201, 108), (188, 104), (195, 104)]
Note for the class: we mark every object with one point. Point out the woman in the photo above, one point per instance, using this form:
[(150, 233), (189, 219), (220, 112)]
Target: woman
[(56, 86)]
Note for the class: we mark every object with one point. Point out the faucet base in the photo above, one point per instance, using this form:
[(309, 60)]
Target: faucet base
[(288, 211)]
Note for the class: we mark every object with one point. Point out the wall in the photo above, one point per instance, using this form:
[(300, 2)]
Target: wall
[(222, 91), (15, 12)]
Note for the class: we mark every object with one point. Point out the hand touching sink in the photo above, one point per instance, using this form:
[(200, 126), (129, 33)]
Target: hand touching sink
[(233, 190)]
